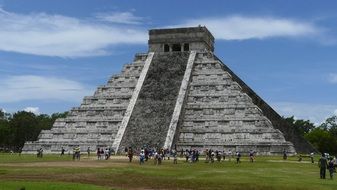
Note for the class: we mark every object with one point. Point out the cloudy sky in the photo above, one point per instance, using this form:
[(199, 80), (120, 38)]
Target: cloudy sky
[(52, 53)]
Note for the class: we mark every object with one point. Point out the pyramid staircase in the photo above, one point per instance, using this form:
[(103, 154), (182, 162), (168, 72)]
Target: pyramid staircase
[(178, 95), (96, 122)]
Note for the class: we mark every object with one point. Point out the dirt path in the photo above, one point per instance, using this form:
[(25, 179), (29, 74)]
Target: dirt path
[(85, 162), (67, 164)]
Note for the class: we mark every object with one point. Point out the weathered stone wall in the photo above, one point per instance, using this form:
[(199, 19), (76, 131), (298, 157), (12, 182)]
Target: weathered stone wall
[(301, 145), (198, 38), (96, 122), (151, 116), (219, 115)]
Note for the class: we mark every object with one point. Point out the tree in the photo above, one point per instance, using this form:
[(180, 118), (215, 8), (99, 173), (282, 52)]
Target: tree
[(302, 126), (322, 140), (329, 122), (5, 132), (324, 137), (25, 128), (330, 125), (2, 114)]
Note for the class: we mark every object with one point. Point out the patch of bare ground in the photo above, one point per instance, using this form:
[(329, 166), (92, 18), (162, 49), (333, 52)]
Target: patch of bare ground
[(114, 180), (84, 163), (75, 164), (122, 181)]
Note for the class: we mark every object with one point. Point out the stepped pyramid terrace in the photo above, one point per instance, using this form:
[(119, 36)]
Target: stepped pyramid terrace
[(178, 95)]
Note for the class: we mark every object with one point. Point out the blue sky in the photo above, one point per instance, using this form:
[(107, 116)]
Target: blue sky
[(52, 53)]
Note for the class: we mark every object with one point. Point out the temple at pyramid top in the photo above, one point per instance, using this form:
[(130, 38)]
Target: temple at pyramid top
[(181, 39)]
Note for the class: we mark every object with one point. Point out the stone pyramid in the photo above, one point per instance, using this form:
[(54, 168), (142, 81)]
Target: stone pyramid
[(178, 95)]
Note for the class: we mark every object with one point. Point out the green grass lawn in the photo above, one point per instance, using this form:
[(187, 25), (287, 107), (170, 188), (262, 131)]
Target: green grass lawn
[(21, 185), (55, 172)]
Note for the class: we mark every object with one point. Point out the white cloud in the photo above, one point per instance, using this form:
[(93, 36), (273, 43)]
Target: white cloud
[(243, 28), (56, 35), (30, 87), (34, 110), (316, 113), (332, 78), (120, 17)]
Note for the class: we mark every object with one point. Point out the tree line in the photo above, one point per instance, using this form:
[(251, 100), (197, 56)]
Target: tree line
[(322, 137), (22, 126)]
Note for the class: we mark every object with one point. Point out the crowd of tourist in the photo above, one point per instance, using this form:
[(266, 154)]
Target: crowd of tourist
[(102, 154), (326, 162), (158, 155), (190, 156)]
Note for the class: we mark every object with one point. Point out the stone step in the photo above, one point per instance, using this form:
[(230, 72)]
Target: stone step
[(214, 94), (210, 77), (222, 105), (226, 130), (212, 72), (96, 112), (106, 104), (74, 130), (222, 118), (214, 83), (202, 99), (119, 83), (109, 96), (122, 85), (85, 119), (140, 57), (133, 65), (100, 108), (123, 76), (58, 135)]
